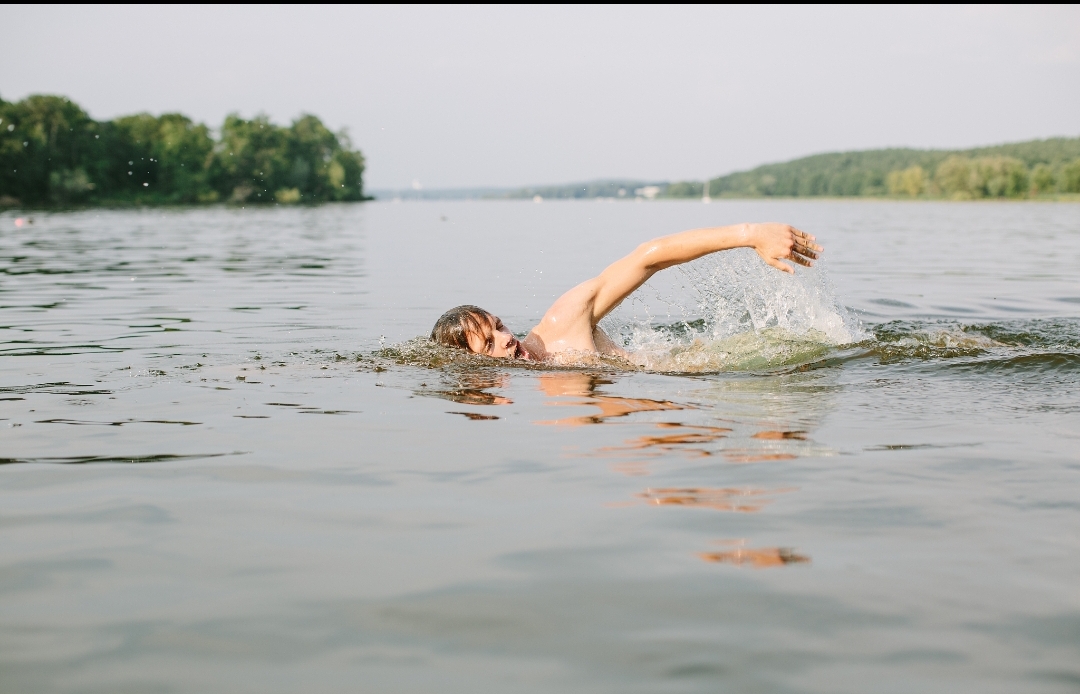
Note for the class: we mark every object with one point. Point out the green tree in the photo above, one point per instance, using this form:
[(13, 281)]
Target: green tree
[(953, 176), (160, 159), (250, 161), (257, 161), (1042, 179), (1070, 177), (47, 144), (994, 177), (323, 165), (999, 177), (911, 181)]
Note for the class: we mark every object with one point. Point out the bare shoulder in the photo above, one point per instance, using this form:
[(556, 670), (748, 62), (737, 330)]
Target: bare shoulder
[(567, 325)]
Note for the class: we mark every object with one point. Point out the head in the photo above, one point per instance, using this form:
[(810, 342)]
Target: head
[(474, 329)]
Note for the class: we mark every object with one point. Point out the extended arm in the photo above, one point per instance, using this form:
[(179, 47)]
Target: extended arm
[(571, 320), (773, 242)]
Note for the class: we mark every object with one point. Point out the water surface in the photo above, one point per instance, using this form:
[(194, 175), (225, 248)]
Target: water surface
[(226, 468)]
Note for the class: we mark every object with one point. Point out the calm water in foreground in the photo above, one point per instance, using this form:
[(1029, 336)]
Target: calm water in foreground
[(226, 469)]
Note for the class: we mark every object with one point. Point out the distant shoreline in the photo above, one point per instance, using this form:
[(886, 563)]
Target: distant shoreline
[(124, 207), (1036, 169), (434, 196), (54, 156)]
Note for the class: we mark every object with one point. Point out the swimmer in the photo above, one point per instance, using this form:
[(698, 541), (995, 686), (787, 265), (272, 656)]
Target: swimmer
[(570, 325)]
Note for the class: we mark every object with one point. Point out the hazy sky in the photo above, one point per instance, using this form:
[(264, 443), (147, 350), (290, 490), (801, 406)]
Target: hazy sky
[(463, 96)]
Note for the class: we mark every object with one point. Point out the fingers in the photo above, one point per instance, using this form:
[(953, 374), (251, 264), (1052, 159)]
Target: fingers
[(803, 249), (801, 238), (795, 257), (780, 266)]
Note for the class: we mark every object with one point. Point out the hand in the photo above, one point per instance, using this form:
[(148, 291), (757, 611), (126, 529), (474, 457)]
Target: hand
[(777, 242)]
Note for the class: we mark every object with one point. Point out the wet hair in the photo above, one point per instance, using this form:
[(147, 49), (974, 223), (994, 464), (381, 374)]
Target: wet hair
[(453, 327)]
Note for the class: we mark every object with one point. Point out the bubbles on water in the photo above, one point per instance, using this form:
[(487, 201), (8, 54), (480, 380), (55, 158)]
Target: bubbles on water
[(741, 314), (421, 351), (906, 339)]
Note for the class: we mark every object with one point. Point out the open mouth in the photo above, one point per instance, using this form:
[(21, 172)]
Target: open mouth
[(517, 351)]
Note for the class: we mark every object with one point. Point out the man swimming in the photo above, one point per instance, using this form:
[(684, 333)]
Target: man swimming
[(570, 325)]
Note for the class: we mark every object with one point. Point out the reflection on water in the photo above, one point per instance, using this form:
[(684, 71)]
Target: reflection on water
[(687, 441), (475, 416), (87, 459), (79, 422), (747, 455), (691, 440), (583, 387), (469, 389), (62, 388), (761, 558), (778, 435), (745, 404), (721, 499)]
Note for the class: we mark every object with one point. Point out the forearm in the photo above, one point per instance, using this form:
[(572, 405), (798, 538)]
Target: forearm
[(666, 251)]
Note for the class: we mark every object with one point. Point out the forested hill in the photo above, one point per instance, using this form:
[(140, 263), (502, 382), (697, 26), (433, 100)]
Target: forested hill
[(53, 153), (1022, 169)]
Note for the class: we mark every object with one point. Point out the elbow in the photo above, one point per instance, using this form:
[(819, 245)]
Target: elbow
[(651, 256)]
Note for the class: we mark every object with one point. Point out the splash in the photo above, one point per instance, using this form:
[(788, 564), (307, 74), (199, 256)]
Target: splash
[(741, 315)]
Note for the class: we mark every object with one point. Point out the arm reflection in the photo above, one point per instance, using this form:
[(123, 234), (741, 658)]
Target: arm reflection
[(764, 441), (688, 436), (719, 499), (471, 389), (583, 386), (762, 558)]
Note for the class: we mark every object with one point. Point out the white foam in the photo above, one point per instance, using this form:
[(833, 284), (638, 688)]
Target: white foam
[(739, 314)]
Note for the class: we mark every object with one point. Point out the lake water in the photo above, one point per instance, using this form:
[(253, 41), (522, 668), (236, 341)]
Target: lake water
[(228, 469)]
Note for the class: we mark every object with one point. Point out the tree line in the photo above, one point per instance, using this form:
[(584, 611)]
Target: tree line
[(53, 153), (1033, 169)]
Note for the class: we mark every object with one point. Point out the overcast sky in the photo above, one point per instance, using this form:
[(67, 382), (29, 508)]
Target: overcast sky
[(470, 96)]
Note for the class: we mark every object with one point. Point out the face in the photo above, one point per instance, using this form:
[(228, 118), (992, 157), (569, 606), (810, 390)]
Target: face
[(495, 340)]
